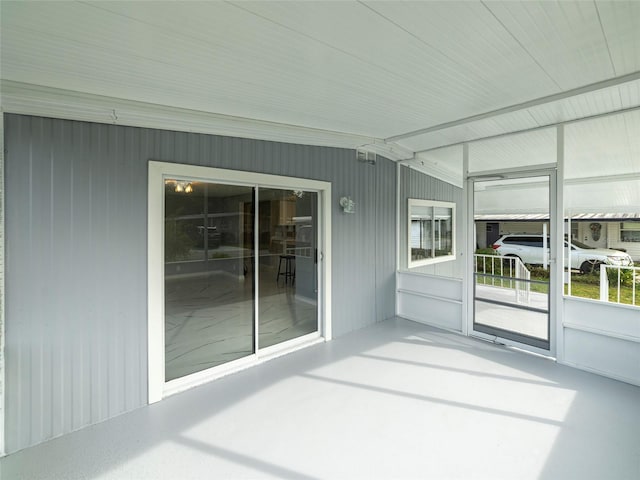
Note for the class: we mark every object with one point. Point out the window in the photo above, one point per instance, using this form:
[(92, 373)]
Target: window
[(431, 232), (630, 231), (530, 241)]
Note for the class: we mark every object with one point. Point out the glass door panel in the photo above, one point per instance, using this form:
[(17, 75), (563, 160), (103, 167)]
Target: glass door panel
[(512, 275), (209, 298), (287, 243)]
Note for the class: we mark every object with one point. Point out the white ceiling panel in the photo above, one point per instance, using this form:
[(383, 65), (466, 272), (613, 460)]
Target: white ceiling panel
[(603, 197), (602, 147), (564, 38), (526, 149), (443, 77), (498, 125), (630, 94), (611, 99), (621, 23), (498, 197), (375, 69), (469, 36), (271, 74), (579, 106), (422, 76), (443, 163)]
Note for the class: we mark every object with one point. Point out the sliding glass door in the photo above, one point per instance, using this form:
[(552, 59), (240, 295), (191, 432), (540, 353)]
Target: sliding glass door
[(240, 271), (208, 284), (287, 243)]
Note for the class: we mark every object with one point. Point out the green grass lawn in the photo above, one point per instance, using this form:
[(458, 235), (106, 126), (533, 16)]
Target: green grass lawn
[(588, 289)]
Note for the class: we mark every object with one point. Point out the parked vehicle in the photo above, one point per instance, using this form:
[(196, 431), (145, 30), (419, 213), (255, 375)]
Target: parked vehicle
[(529, 248)]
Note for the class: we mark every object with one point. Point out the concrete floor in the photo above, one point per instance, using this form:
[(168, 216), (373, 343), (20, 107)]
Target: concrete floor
[(395, 400)]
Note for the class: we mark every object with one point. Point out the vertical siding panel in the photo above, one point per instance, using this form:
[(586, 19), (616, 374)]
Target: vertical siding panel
[(385, 245), (80, 247), (76, 262), (368, 175), (18, 222), (139, 290), (117, 244), (40, 233), (74, 328), (60, 200), (95, 226), (130, 151)]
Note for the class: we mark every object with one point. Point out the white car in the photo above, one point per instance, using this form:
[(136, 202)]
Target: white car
[(529, 249)]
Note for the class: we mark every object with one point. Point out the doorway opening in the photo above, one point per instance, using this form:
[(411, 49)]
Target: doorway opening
[(513, 276)]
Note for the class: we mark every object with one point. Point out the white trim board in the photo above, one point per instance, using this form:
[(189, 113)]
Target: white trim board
[(158, 388), (2, 292), (37, 100)]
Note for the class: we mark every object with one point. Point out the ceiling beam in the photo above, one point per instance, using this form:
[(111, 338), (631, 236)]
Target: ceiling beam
[(521, 106), (532, 129)]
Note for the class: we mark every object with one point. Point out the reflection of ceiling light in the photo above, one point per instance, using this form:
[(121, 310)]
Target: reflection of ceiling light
[(298, 193), (180, 186)]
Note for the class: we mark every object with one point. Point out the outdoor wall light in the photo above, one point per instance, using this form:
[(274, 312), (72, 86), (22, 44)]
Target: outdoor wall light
[(348, 205)]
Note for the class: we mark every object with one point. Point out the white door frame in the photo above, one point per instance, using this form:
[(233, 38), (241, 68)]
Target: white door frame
[(555, 260), (158, 171), (3, 376)]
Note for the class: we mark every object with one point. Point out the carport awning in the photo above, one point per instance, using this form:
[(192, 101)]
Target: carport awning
[(622, 217)]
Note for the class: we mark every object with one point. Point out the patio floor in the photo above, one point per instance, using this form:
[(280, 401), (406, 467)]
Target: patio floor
[(395, 400)]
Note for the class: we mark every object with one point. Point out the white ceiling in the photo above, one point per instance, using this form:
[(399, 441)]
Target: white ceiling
[(413, 75)]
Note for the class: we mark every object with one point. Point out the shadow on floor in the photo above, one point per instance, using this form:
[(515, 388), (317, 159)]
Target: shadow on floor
[(397, 399)]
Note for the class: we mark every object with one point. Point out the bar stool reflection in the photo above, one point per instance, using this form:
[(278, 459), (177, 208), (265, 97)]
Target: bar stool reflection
[(289, 272)]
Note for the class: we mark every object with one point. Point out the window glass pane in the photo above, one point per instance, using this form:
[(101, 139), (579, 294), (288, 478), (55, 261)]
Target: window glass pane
[(208, 275), (630, 225), (421, 235), (431, 232), (288, 286), (444, 231), (602, 202), (630, 236)]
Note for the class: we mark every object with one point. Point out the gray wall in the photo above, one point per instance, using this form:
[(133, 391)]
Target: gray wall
[(76, 236), (415, 184)]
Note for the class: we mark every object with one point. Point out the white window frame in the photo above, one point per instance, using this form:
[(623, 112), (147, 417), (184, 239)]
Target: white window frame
[(158, 388), (634, 228), (414, 202)]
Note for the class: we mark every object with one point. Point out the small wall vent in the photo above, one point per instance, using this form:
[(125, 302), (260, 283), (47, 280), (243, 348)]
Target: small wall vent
[(366, 157)]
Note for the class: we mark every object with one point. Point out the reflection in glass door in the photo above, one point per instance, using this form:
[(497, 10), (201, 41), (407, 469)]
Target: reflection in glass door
[(512, 275), (217, 296), (208, 254), (287, 292)]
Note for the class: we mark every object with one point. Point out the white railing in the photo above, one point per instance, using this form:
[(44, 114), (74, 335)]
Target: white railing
[(501, 270), (604, 283)]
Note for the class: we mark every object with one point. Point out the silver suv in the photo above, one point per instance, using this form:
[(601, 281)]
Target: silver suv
[(529, 249)]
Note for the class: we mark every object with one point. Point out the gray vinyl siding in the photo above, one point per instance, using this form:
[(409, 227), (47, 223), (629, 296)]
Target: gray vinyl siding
[(415, 184), (76, 249)]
